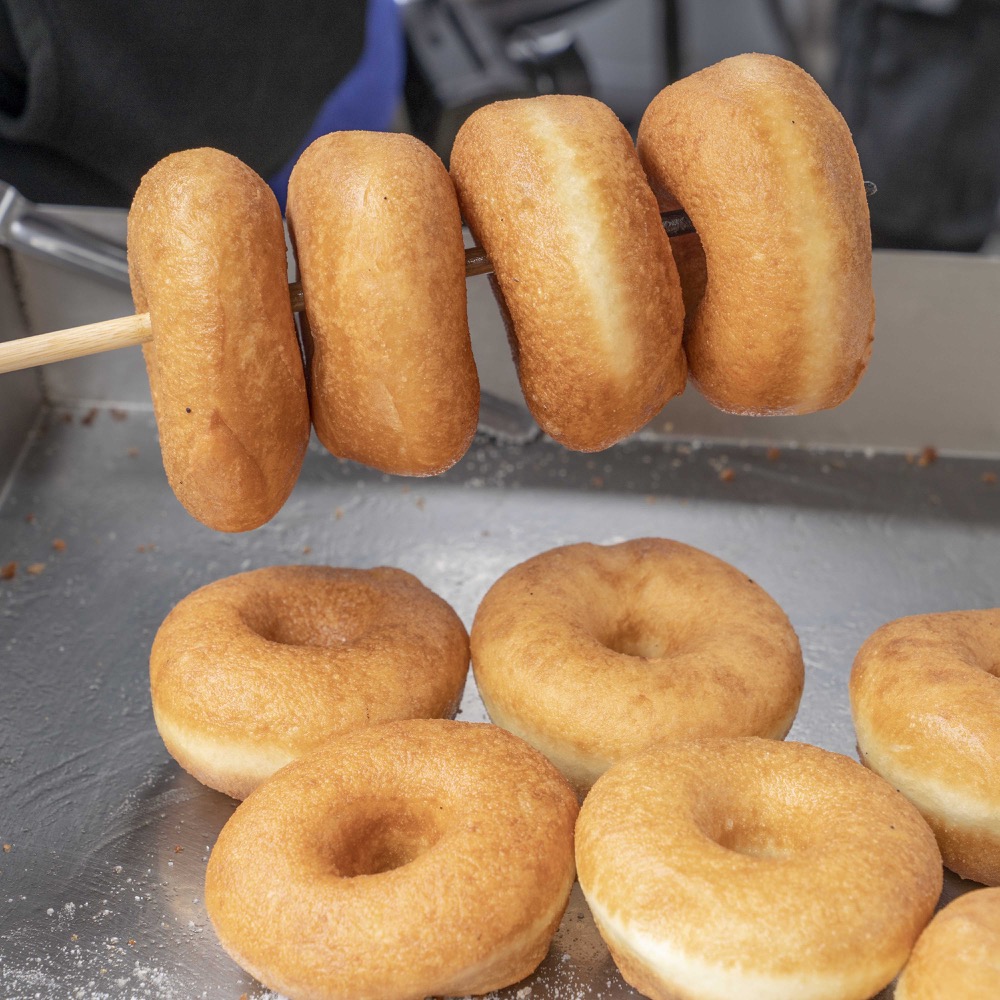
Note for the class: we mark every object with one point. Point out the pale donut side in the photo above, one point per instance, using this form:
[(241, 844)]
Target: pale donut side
[(412, 859), (552, 189), (378, 237), (925, 699), (958, 954), (592, 653), (765, 167), (206, 253), (251, 671), (751, 868)]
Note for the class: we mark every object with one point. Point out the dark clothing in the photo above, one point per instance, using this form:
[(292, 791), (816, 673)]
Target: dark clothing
[(94, 92), (921, 93)]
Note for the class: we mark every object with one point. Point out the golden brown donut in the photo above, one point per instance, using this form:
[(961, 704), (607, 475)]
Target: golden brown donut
[(958, 954), (755, 869), (378, 237), (552, 189), (592, 653), (253, 670), (206, 254), (764, 165), (925, 698), (414, 859)]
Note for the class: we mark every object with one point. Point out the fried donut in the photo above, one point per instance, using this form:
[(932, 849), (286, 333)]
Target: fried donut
[(206, 256), (755, 869), (958, 954), (925, 698), (592, 653), (378, 237), (779, 277), (413, 859), (252, 671), (552, 189)]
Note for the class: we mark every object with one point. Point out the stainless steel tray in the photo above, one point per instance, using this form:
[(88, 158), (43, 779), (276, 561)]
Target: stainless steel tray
[(100, 890)]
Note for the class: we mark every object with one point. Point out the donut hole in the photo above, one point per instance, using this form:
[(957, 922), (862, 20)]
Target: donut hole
[(753, 841), (645, 646), (647, 638), (306, 620), (374, 838), (751, 832)]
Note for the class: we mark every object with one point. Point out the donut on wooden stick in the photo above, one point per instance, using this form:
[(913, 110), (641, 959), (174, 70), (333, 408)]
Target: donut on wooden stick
[(778, 279), (206, 252), (378, 237), (552, 190)]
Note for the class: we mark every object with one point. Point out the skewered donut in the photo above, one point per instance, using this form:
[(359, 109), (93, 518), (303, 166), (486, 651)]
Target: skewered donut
[(206, 253), (552, 189), (592, 653), (414, 859), (378, 237), (252, 671), (778, 280), (958, 954), (925, 698), (755, 869)]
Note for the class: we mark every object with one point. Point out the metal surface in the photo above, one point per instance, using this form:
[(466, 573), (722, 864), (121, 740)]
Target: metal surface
[(101, 889), (25, 229)]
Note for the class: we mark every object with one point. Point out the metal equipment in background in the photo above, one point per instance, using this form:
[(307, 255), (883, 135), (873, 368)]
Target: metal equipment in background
[(463, 55)]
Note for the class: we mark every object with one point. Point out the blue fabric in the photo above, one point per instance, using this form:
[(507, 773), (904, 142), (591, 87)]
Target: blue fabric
[(368, 96)]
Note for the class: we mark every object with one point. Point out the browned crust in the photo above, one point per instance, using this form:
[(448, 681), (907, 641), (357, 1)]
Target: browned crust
[(378, 237), (467, 831), (552, 189), (206, 254), (686, 843), (254, 670), (958, 954), (925, 698), (592, 653), (765, 167)]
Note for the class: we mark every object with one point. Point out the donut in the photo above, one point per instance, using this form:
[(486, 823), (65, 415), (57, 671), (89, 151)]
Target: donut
[(749, 868), (378, 237), (206, 256), (958, 954), (925, 699), (407, 860), (592, 653), (779, 277), (551, 188), (250, 672)]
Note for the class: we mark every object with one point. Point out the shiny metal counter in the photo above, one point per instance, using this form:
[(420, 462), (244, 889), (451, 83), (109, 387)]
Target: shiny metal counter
[(106, 839)]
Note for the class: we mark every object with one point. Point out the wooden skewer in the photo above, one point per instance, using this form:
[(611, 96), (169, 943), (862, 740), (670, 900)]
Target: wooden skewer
[(79, 341), (128, 331)]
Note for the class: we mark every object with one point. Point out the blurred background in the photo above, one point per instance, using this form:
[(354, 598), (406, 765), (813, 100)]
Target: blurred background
[(92, 95)]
